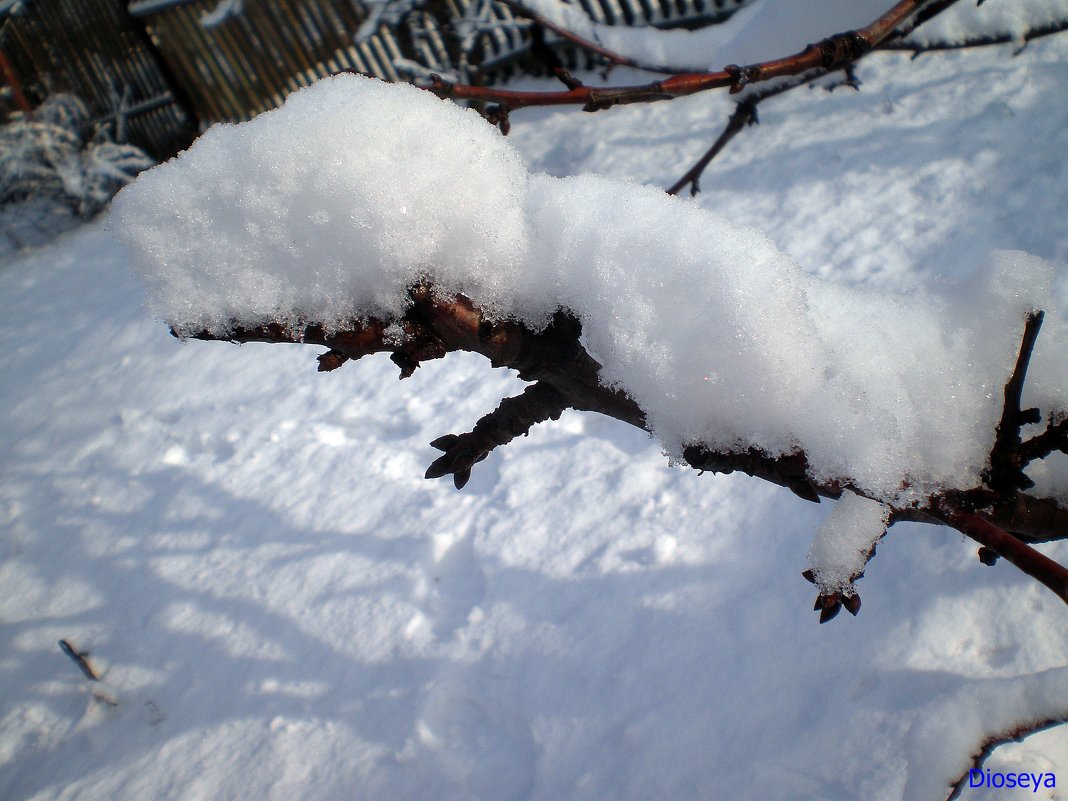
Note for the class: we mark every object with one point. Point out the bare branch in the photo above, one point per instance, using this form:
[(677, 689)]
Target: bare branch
[(514, 417), (1037, 565), (1016, 735), (830, 54), (1054, 438), (977, 41), (434, 326), (1006, 474)]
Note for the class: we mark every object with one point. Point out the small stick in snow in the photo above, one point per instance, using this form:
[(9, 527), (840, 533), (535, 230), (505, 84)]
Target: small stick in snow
[(80, 659)]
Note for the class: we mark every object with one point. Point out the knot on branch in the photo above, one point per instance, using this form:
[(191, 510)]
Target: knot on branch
[(841, 49), (439, 86), (742, 76), (498, 115)]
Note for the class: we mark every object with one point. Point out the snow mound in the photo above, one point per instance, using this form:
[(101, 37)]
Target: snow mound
[(332, 206)]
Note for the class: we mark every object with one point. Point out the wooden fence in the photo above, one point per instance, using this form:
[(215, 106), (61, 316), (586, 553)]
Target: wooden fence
[(172, 66), (92, 49)]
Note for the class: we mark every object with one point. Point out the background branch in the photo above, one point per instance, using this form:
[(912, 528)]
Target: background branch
[(830, 54), (1018, 734)]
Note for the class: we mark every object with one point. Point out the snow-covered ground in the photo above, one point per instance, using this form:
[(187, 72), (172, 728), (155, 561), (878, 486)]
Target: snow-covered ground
[(281, 607)]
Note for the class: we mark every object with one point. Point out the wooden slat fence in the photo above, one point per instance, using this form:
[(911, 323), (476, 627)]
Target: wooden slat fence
[(170, 67), (92, 49)]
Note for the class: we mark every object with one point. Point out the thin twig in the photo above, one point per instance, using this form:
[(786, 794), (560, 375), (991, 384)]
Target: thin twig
[(80, 659), (1006, 473), (512, 418), (1054, 438), (1035, 564), (829, 54), (1017, 735), (917, 50), (744, 114)]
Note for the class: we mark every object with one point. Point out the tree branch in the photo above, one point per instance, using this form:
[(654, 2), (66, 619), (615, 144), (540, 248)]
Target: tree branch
[(435, 325), (830, 54), (514, 417), (1017, 735), (1006, 473), (917, 50), (1037, 565)]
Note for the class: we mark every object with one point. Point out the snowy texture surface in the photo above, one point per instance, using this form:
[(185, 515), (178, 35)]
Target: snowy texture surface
[(331, 207), (285, 609), (844, 541)]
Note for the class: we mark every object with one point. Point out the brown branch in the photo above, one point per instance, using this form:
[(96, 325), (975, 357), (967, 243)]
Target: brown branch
[(567, 376), (79, 658), (1017, 735), (434, 326), (12, 80), (1037, 565), (512, 418), (830, 54), (745, 113), (1006, 474), (1054, 438)]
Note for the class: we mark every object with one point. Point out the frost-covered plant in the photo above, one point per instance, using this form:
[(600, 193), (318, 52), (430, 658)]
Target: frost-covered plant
[(58, 155)]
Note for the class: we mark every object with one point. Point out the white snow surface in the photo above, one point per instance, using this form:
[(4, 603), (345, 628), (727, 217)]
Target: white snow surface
[(283, 608), (329, 208)]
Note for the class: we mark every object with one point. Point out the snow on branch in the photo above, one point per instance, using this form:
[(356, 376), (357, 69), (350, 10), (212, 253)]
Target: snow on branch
[(955, 734), (338, 220)]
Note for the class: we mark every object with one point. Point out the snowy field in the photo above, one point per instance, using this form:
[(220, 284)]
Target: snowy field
[(281, 607)]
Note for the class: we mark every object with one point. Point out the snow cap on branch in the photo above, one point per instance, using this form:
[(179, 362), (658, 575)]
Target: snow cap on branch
[(845, 542), (331, 207)]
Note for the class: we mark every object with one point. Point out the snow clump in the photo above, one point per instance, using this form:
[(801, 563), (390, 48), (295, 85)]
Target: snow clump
[(844, 543), (329, 208)]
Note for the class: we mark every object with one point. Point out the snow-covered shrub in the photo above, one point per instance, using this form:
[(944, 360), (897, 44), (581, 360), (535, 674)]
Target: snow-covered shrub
[(57, 166)]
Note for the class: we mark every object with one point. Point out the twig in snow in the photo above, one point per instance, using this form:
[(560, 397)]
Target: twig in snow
[(745, 114), (1022, 40), (80, 659)]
